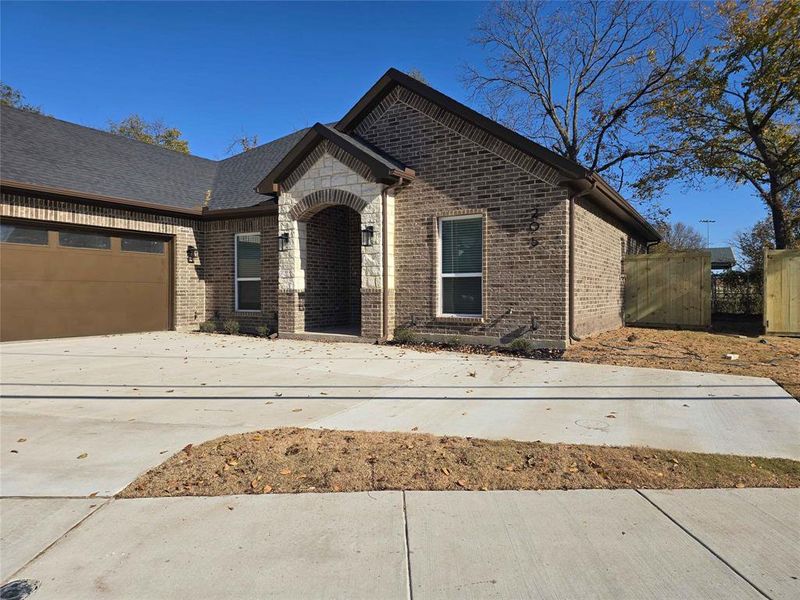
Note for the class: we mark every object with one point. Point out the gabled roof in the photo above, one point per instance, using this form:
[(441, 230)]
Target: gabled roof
[(383, 168), (722, 258), (574, 175)]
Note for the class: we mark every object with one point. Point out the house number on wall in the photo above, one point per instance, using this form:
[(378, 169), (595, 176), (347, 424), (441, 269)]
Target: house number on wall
[(534, 227)]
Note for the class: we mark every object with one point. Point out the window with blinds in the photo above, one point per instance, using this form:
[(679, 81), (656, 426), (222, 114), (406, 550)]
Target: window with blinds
[(248, 271), (461, 266)]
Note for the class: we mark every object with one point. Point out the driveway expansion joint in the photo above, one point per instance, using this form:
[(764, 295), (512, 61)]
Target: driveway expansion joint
[(61, 537), (704, 545), (407, 548)]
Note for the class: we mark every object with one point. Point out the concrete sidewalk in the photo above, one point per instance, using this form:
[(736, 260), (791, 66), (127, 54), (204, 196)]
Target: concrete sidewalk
[(577, 544), (128, 402)]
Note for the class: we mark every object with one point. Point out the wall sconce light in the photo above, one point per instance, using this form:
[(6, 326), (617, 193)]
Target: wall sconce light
[(367, 234), (191, 252), (283, 242)]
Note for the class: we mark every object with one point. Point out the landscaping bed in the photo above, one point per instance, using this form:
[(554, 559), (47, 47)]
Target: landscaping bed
[(291, 460), (760, 356)]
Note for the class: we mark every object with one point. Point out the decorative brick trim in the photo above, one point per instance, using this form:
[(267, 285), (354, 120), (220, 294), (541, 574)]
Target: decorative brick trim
[(350, 161), (468, 130), (322, 148), (321, 199), (304, 166)]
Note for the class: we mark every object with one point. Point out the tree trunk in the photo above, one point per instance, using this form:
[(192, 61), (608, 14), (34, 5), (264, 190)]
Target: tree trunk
[(784, 237)]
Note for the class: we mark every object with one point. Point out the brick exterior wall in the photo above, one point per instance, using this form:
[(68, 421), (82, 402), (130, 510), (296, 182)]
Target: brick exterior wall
[(601, 243), (463, 171), (218, 255), (189, 288)]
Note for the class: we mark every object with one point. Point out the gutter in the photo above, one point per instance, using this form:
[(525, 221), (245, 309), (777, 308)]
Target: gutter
[(199, 214)]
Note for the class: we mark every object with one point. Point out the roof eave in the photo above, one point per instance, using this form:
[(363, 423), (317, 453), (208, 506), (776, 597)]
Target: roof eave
[(614, 204)]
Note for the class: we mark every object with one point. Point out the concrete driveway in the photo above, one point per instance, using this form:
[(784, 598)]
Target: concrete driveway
[(128, 402), (81, 418)]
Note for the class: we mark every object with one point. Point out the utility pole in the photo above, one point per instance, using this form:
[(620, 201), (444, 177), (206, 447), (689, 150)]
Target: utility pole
[(708, 230)]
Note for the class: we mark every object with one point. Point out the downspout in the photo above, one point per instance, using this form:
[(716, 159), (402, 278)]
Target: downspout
[(592, 185)]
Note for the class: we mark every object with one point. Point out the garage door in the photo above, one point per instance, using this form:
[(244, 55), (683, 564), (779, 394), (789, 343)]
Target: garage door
[(60, 282)]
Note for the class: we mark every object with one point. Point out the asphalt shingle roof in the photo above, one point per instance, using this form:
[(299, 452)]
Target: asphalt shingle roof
[(722, 258), (40, 150), (238, 175)]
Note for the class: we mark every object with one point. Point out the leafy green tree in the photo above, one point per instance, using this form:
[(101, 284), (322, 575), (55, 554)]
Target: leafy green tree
[(151, 132), (736, 113), (13, 97), (750, 246)]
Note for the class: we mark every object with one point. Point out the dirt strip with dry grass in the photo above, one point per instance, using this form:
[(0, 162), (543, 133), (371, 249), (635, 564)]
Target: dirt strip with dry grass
[(291, 460), (759, 356)]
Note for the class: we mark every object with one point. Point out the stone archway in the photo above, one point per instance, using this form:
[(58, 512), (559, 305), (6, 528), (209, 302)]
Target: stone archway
[(314, 202)]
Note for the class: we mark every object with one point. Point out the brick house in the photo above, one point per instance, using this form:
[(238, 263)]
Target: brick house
[(412, 211)]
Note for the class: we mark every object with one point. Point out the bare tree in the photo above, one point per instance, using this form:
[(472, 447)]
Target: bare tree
[(417, 74), (242, 143), (678, 236), (580, 75)]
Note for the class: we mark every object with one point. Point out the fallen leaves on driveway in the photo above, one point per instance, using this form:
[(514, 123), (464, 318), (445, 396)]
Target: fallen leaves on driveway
[(289, 460)]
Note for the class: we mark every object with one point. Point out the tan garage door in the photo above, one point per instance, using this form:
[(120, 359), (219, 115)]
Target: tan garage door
[(60, 282)]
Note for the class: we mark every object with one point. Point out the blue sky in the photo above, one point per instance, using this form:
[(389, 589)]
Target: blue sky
[(218, 70)]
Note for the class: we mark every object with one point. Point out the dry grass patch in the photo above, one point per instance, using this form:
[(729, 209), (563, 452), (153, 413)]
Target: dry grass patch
[(760, 356), (290, 460)]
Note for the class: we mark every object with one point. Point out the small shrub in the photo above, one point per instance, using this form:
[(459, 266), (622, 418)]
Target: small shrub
[(453, 342), (521, 345), (208, 326), (403, 335), (262, 331), (231, 326)]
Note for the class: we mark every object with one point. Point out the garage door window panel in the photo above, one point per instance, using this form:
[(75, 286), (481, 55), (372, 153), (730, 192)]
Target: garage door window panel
[(248, 272), (146, 245), (84, 239), (18, 234)]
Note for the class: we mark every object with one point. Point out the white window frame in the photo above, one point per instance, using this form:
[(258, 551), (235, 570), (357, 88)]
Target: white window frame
[(236, 278), (440, 276)]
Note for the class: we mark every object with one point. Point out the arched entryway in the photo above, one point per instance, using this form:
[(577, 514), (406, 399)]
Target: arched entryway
[(333, 270)]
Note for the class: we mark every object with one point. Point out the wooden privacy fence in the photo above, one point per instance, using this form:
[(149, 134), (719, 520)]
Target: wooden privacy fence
[(668, 290), (782, 292)]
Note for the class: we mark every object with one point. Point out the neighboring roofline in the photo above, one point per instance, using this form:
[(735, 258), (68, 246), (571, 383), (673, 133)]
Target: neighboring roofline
[(381, 171), (204, 213), (572, 172)]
